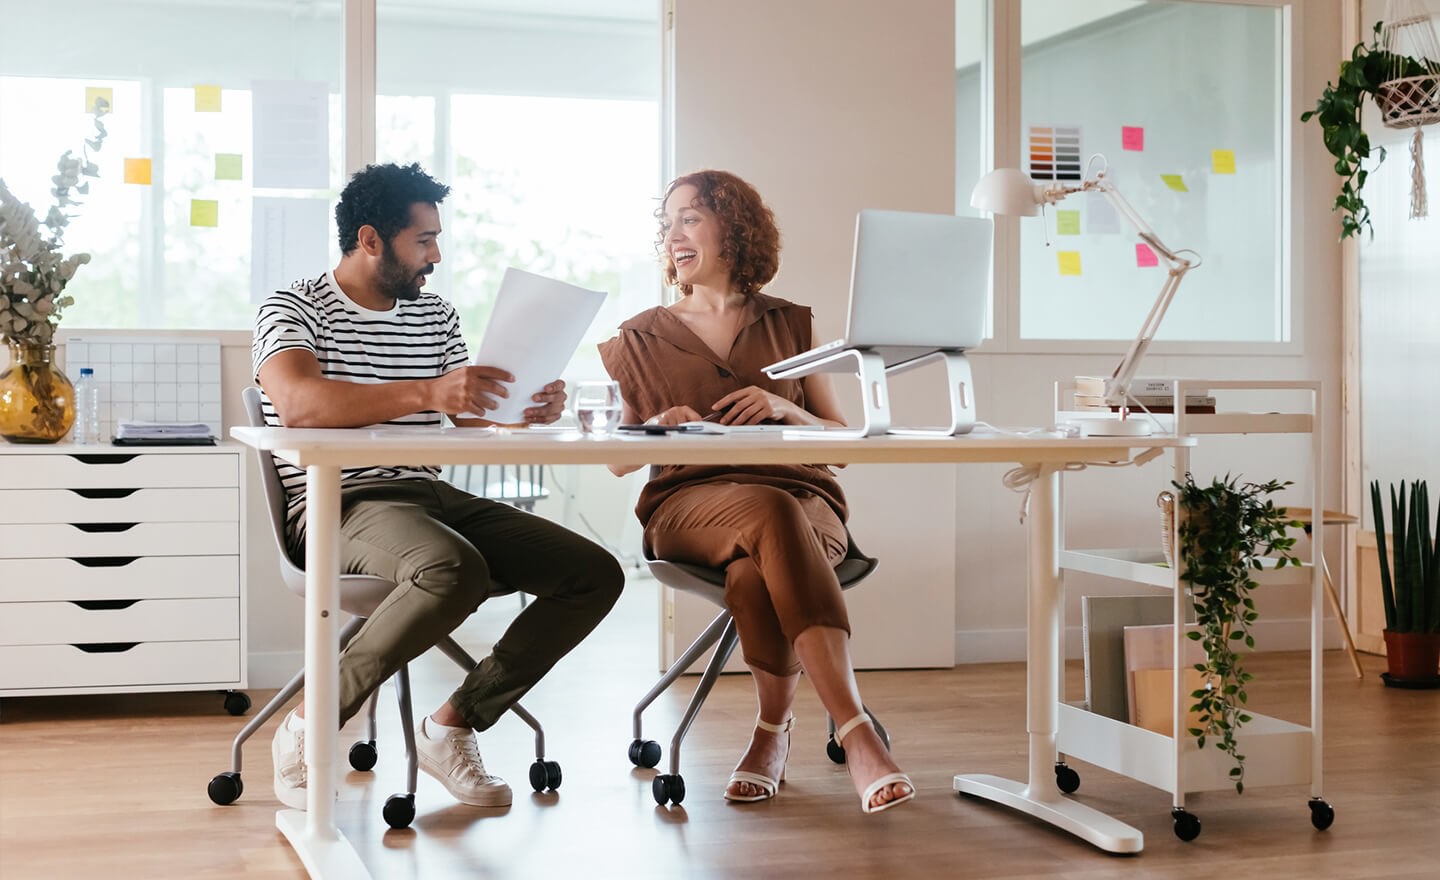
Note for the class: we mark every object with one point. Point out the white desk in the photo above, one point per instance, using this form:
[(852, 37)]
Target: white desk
[(323, 452)]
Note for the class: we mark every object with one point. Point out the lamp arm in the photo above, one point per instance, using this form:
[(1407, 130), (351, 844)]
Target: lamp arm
[(1117, 387)]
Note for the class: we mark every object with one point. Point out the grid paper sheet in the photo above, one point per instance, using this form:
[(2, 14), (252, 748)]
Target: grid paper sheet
[(150, 378)]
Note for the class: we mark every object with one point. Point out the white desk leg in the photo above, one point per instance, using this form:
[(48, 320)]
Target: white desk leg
[(1041, 797), (322, 848)]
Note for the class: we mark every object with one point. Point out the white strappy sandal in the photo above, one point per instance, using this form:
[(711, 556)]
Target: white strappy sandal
[(888, 779), (768, 787)]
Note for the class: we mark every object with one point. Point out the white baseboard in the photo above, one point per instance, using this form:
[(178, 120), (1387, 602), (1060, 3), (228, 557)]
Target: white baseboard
[(1008, 645)]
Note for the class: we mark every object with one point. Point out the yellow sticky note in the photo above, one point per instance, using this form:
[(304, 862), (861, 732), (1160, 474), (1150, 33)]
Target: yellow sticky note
[(1175, 182), (1069, 262), (207, 99), (137, 171), (204, 212), (98, 93), (1067, 222), (1222, 161), (229, 166)]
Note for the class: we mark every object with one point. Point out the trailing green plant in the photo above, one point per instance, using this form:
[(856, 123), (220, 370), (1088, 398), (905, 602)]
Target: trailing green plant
[(1225, 530), (1339, 113), (1411, 585)]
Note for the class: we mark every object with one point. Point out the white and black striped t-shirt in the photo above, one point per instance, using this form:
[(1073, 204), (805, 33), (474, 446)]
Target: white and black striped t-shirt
[(418, 339)]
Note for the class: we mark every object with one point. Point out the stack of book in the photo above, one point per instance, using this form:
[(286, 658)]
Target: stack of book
[(1155, 395), (163, 434)]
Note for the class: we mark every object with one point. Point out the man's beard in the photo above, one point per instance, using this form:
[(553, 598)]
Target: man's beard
[(397, 280)]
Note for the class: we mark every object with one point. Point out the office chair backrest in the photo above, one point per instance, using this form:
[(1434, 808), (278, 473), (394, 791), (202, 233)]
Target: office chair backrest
[(359, 594)]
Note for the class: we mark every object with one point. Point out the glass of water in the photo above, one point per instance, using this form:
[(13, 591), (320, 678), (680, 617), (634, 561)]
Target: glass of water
[(597, 407)]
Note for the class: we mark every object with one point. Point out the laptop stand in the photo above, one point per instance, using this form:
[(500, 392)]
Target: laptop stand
[(875, 395)]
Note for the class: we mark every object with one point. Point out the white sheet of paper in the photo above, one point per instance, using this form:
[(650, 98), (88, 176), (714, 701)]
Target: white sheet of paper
[(291, 127), (287, 242), (534, 329)]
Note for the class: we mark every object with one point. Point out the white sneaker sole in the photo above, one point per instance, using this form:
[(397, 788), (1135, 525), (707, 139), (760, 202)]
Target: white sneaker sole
[(497, 796)]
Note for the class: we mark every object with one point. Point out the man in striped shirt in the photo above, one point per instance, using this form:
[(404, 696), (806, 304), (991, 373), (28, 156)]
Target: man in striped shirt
[(364, 345)]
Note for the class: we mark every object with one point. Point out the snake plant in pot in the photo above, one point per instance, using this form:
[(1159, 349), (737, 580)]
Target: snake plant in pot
[(1410, 585)]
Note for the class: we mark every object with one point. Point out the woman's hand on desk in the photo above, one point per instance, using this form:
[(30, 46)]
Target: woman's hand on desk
[(753, 405), (674, 416)]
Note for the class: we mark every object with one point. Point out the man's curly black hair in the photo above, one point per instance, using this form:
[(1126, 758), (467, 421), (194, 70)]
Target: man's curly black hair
[(381, 196)]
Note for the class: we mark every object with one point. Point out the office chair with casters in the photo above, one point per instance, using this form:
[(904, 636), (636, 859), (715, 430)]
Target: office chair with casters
[(359, 596), (709, 584)]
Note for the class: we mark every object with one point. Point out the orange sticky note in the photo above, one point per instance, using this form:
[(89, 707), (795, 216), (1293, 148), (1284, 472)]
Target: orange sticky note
[(1144, 256), (204, 212), (1175, 182), (1132, 137), (207, 99), (1222, 161), (229, 166), (137, 171), (1069, 262), (99, 93)]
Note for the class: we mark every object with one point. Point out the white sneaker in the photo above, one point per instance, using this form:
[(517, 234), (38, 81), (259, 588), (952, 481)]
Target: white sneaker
[(287, 751), (455, 761)]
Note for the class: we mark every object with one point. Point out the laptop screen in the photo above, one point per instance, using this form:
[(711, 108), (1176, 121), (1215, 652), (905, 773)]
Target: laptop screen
[(919, 280)]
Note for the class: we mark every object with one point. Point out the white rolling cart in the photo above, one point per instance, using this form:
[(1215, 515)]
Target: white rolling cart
[(1277, 752)]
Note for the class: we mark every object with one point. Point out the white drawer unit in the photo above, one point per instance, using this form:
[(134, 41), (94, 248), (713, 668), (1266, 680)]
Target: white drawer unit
[(122, 570)]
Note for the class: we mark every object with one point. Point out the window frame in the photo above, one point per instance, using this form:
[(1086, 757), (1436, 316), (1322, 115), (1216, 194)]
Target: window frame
[(1002, 148)]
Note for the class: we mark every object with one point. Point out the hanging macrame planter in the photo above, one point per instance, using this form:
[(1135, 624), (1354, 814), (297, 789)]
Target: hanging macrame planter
[(1411, 97)]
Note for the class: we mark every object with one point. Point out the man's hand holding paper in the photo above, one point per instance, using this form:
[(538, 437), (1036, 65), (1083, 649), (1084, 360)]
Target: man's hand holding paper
[(534, 329)]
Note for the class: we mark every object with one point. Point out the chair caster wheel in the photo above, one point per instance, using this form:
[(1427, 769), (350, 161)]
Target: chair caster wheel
[(1322, 815), (399, 810), (668, 788), (644, 753), (545, 774), (225, 788), (363, 756), (834, 750)]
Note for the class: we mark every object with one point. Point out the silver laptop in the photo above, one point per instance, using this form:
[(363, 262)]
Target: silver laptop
[(919, 283)]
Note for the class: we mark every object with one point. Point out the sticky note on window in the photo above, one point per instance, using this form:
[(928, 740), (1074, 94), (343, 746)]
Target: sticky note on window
[(137, 171), (204, 212), (1132, 137), (98, 93), (1144, 256), (207, 99), (1175, 182), (1222, 161), (1067, 222), (229, 166), (1069, 262)]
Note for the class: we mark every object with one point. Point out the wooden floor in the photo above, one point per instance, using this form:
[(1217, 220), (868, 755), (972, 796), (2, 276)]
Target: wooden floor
[(114, 786)]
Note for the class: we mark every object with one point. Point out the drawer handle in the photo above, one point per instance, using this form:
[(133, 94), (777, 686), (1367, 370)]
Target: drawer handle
[(104, 527), (103, 561), (103, 459), (106, 647), (104, 493), (104, 604)]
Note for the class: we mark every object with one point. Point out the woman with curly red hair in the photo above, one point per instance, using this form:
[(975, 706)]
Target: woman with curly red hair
[(777, 530)]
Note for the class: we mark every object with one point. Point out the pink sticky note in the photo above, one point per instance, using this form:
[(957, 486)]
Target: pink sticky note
[(1144, 257), (1132, 137)]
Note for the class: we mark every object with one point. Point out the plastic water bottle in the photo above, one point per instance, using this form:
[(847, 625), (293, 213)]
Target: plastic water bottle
[(87, 409)]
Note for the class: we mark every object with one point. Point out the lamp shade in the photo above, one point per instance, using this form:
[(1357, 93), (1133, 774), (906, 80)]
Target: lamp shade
[(1006, 191)]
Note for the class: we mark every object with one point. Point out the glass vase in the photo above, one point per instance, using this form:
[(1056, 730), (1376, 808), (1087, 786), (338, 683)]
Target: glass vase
[(37, 401)]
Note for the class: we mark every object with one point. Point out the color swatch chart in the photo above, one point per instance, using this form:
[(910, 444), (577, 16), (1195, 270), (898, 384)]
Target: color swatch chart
[(1054, 153)]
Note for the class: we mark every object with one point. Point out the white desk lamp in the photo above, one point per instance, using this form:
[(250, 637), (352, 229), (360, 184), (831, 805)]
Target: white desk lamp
[(1011, 191)]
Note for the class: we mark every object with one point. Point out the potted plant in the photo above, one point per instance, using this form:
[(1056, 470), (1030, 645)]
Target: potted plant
[(1225, 531), (1375, 72), (1410, 585)]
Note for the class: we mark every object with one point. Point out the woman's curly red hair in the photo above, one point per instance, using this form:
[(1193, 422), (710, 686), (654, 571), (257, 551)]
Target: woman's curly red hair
[(750, 238)]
